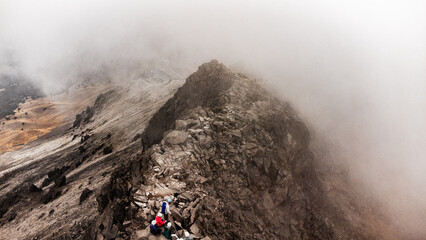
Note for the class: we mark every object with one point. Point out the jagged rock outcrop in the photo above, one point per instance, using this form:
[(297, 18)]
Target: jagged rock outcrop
[(86, 116), (236, 162)]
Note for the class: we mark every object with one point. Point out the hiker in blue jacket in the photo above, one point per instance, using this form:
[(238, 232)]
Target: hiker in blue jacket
[(165, 208)]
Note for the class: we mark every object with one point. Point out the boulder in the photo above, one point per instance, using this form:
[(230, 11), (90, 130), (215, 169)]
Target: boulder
[(34, 188), (176, 137), (139, 204), (141, 234), (176, 215), (163, 192), (181, 125), (85, 194), (110, 233), (194, 229), (194, 213), (156, 237), (192, 123), (107, 150), (268, 203), (280, 195)]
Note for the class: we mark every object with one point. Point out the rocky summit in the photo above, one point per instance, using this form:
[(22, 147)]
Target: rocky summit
[(234, 160)]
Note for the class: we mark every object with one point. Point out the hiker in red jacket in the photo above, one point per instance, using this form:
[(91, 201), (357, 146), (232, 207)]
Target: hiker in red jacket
[(159, 220)]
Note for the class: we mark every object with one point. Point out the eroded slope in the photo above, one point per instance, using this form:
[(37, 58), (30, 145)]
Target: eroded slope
[(48, 189)]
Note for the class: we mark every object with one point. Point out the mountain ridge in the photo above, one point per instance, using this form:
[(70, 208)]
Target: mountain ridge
[(249, 160), (235, 159)]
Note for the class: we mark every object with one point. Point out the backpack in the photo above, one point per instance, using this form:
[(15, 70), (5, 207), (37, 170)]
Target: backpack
[(163, 207)]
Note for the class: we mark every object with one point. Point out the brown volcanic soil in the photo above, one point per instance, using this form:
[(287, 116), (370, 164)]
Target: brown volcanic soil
[(38, 117)]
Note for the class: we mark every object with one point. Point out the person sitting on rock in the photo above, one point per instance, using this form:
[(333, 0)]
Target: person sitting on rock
[(153, 228), (159, 220), (168, 230), (165, 207)]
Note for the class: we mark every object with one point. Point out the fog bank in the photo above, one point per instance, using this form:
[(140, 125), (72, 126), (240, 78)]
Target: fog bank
[(356, 70)]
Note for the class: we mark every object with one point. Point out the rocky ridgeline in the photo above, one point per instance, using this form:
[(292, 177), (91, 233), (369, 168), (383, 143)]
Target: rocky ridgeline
[(235, 161)]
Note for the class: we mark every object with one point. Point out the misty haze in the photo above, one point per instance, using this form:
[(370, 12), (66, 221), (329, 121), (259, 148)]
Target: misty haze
[(213, 119)]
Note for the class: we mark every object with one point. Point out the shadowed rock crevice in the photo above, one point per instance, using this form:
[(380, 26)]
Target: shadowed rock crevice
[(204, 88)]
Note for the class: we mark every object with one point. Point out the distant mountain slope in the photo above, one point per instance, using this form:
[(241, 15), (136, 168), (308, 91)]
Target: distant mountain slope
[(71, 159), (14, 90)]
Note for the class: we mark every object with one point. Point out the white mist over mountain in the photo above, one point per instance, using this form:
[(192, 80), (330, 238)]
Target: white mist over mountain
[(356, 70)]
